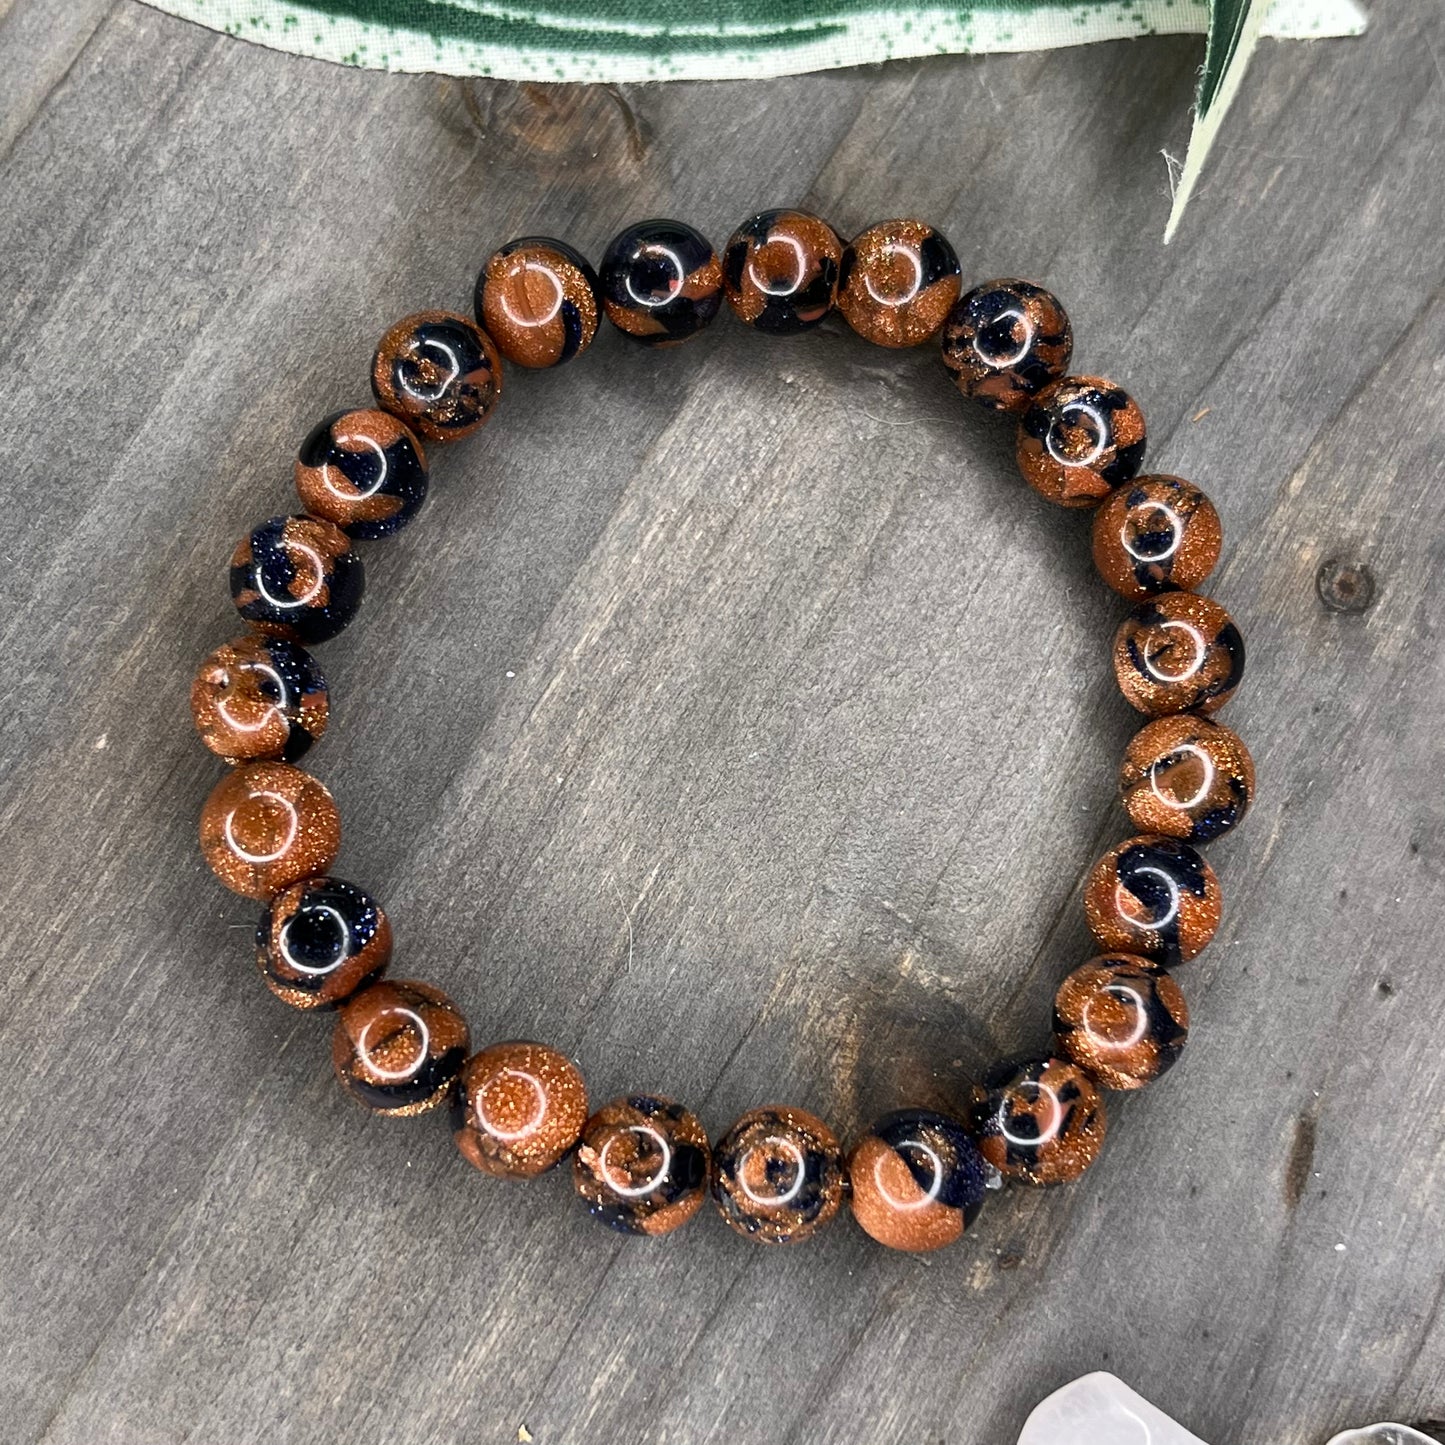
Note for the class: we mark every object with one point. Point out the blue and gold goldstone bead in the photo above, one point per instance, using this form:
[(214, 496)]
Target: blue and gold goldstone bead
[(398, 1046), (1038, 1120), (539, 300), (1178, 652), (778, 1175), (364, 470), (1186, 777), (780, 271), (897, 282), (439, 372), (918, 1180), (297, 578), (321, 940), (1156, 534), (1153, 896), (1122, 1019), (1079, 438), (661, 282), (260, 698), (1005, 341)]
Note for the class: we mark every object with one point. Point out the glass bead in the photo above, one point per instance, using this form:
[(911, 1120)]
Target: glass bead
[(897, 282), (641, 1165), (539, 300), (1038, 1121), (439, 372), (780, 271), (266, 826), (297, 578), (260, 698), (1186, 777), (321, 940), (778, 1175), (1178, 652), (1153, 896), (1005, 341), (398, 1047), (1121, 1019), (918, 1180), (1156, 534), (363, 470), (520, 1109), (661, 282), (1078, 439)]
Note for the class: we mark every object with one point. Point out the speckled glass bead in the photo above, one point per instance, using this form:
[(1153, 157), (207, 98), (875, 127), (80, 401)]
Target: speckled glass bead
[(780, 271), (267, 826), (896, 282), (641, 1165), (1122, 1019), (297, 577), (1153, 896), (539, 300), (1038, 1121), (1186, 777), (1178, 652), (1156, 534), (1005, 341), (398, 1046), (918, 1180), (661, 282), (320, 940), (363, 470), (260, 698), (778, 1175), (1078, 439), (439, 372), (520, 1108)]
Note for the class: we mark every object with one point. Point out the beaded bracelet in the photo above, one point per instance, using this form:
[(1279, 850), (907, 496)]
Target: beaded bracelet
[(642, 1164)]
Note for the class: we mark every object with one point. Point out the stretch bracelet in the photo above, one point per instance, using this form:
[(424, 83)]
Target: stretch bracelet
[(642, 1163)]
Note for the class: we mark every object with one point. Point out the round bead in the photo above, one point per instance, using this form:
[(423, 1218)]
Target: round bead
[(267, 826), (778, 1175), (1121, 1019), (1156, 534), (259, 698), (1038, 1121), (520, 1108), (1176, 653), (661, 282), (897, 281), (1079, 438), (641, 1166), (918, 1180), (399, 1046), (1005, 341), (363, 470), (439, 372), (537, 299), (1186, 777), (320, 940), (780, 271), (1153, 896), (297, 577)]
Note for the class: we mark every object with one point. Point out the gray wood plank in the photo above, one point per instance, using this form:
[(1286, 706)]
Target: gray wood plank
[(733, 719)]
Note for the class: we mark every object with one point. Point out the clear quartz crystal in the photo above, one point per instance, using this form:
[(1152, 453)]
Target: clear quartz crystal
[(1099, 1409), (1384, 1435)]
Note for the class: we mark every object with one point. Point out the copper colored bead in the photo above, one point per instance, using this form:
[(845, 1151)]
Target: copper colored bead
[(778, 1175), (363, 470), (641, 1166), (917, 1179), (1039, 1121), (439, 372), (538, 300), (520, 1108), (897, 281), (661, 282), (1122, 1019), (398, 1047), (1153, 896), (780, 271), (1078, 439), (1186, 777), (266, 826), (1006, 341), (1178, 653), (1156, 534), (259, 698), (321, 940)]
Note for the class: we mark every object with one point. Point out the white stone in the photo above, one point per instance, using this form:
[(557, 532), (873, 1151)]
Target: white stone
[(1384, 1435), (1099, 1409)]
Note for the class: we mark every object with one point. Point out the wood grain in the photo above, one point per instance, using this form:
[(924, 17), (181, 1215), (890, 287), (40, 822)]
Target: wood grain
[(735, 720)]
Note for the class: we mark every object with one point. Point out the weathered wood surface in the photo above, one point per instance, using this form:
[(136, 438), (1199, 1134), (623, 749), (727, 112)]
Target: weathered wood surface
[(734, 719)]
